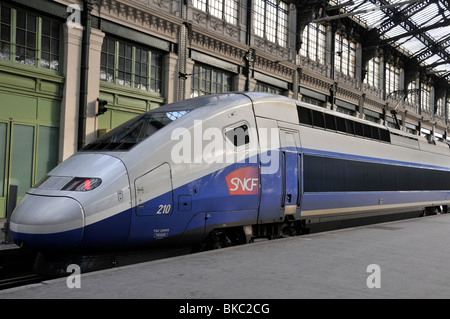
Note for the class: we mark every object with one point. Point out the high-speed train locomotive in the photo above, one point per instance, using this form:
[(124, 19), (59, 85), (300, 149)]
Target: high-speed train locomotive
[(223, 169)]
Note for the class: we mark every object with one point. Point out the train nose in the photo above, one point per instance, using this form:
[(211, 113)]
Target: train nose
[(47, 222)]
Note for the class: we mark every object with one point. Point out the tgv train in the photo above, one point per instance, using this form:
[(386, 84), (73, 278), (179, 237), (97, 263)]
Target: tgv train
[(223, 169)]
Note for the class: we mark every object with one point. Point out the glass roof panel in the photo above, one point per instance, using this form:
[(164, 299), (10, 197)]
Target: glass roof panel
[(425, 24)]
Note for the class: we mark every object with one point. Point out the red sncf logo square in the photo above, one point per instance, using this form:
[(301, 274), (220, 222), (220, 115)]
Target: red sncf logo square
[(243, 181)]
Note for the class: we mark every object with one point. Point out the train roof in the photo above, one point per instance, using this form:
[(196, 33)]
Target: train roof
[(284, 109), (214, 100)]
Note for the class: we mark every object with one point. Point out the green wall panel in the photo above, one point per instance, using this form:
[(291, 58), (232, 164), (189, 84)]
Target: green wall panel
[(22, 157), (132, 102), (119, 117), (50, 87), (16, 81), (17, 106), (49, 111), (47, 155)]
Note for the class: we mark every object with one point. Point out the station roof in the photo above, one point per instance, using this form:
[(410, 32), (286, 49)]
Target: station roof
[(419, 27)]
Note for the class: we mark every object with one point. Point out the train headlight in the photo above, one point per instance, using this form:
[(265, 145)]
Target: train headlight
[(81, 184)]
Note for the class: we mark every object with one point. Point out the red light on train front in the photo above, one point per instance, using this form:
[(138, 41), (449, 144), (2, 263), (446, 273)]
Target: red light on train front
[(81, 184)]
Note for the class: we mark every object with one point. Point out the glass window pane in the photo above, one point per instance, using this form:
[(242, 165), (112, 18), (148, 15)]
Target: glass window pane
[(121, 63), (54, 64), (206, 80), (6, 33), (215, 8), (45, 44), (45, 60), (31, 22), (259, 9), (111, 61), (231, 11), (103, 59), (199, 4), (20, 54), (20, 37), (282, 23), (46, 27), (121, 49), (111, 46), (22, 157), (20, 19), (31, 40), (30, 57), (55, 30), (50, 44), (55, 46), (6, 15)]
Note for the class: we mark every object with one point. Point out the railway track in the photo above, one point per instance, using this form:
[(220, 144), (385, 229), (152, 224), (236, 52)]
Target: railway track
[(20, 280), (16, 268)]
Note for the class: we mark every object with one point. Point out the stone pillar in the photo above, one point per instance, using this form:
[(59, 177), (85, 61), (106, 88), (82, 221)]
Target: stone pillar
[(188, 81), (95, 49), (171, 81), (71, 95), (239, 82), (252, 85)]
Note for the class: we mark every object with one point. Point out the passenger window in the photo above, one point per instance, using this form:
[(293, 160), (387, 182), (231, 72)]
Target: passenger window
[(304, 115), (350, 127), (359, 129), (385, 136), (375, 133), (330, 122), (318, 119), (340, 124), (367, 131), (239, 135)]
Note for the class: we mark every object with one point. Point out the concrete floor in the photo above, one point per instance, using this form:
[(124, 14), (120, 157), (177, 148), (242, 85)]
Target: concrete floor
[(406, 259)]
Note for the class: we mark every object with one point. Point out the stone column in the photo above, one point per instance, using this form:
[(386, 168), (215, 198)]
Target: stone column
[(188, 82), (171, 81), (95, 48), (71, 96), (239, 82)]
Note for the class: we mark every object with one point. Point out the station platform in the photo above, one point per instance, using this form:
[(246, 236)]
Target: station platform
[(402, 259)]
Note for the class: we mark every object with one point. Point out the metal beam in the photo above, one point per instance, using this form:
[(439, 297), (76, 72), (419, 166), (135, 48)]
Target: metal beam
[(412, 29), (432, 65), (349, 14), (399, 14), (425, 39), (411, 10)]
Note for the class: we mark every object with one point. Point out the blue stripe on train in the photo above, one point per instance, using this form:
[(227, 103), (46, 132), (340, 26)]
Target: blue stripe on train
[(63, 240)]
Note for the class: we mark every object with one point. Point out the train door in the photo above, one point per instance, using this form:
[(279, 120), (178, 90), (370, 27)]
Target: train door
[(270, 173), (280, 170), (290, 172), (154, 194)]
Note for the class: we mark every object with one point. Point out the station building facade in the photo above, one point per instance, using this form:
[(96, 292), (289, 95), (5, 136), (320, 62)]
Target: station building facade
[(61, 60)]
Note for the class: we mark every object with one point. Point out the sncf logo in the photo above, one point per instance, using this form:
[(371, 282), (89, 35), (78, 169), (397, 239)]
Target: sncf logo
[(243, 181)]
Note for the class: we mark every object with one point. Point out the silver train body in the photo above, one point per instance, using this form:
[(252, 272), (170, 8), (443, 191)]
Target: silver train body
[(247, 162)]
